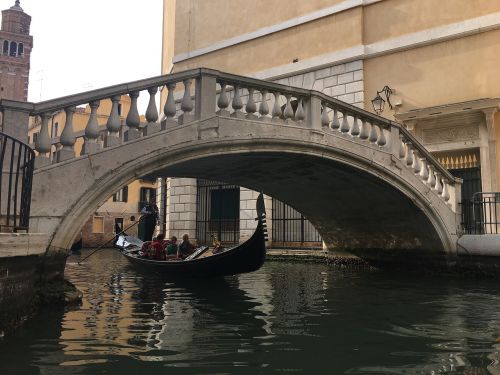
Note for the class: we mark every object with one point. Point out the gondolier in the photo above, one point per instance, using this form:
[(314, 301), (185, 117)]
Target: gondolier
[(150, 219)]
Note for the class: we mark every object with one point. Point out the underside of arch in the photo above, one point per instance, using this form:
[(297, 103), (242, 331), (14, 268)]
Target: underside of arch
[(351, 208)]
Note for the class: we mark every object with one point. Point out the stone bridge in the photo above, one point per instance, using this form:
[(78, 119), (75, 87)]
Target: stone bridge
[(366, 183)]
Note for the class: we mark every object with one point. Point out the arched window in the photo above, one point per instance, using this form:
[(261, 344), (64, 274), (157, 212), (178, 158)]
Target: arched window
[(20, 49), (5, 47), (13, 49)]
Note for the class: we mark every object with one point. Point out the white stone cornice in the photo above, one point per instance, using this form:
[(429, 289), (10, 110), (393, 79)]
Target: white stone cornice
[(338, 8), (435, 35), (480, 105), (314, 63)]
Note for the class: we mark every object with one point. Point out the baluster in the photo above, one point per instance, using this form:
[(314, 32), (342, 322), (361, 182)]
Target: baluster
[(237, 104), (364, 133), (223, 101), (300, 114), (113, 124), (68, 137), (432, 178), (264, 107), (445, 194), (373, 137), (288, 112), (251, 107), (355, 131), (381, 141), (439, 186), (325, 120), (402, 151), (133, 120), (169, 109), (409, 154), (344, 127), (152, 110), (335, 121), (187, 103), (416, 162), (152, 114), (42, 143), (424, 173), (276, 108), (91, 144)]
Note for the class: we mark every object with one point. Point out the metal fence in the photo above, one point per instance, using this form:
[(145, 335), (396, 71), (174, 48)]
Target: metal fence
[(17, 162), (217, 212), (291, 228), (481, 214)]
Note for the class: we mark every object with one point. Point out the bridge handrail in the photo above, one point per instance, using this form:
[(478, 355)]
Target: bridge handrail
[(221, 93), (115, 90), (17, 163), (388, 124), (341, 106)]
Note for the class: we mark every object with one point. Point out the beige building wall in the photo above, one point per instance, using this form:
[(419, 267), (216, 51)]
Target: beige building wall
[(439, 56), (448, 72)]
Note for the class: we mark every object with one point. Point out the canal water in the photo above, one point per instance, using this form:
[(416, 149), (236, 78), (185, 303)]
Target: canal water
[(284, 318)]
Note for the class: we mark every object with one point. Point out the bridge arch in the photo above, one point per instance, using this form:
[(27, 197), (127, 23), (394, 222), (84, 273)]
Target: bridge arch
[(363, 181), (358, 197)]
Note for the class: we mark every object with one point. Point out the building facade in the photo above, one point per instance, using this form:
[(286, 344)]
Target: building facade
[(437, 57)]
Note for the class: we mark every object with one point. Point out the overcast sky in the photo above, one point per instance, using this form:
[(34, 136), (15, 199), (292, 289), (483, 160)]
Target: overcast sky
[(84, 45)]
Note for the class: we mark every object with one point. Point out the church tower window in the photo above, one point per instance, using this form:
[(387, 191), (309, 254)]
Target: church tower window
[(13, 49)]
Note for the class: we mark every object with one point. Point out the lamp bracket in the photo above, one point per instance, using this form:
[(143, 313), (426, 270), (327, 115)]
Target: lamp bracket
[(387, 92)]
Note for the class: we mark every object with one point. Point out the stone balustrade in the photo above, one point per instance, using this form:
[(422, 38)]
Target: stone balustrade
[(277, 103), (203, 93)]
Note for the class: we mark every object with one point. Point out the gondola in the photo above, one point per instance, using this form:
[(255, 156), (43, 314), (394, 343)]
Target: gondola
[(246, 257)]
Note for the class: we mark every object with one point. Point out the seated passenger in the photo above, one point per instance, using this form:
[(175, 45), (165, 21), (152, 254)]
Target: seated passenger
[(186, 248), (146, 249), (158, 246), (172, 249), (218, 248)]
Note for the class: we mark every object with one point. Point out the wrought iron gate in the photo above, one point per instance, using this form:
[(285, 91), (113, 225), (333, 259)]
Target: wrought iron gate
[(291, 228), (471, 210), (217, 212)]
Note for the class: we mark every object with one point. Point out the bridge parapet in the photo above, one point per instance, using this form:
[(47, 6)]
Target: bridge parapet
[(318, 111), (216, 93), (364, 166)]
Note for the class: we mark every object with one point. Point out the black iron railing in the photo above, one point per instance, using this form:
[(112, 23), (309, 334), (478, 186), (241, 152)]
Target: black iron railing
[(17, 161), (291, 228), (481, 214)]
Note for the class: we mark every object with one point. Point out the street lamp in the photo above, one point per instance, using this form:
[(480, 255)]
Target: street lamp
[(378, 102)]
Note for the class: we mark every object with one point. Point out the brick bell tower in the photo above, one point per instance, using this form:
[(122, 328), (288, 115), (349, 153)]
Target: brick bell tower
[(15, 50)]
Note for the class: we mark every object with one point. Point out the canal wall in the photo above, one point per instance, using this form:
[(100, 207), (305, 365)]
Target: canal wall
[(29, 277)]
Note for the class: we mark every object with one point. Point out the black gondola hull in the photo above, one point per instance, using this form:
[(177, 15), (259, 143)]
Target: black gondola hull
[(246, 257)]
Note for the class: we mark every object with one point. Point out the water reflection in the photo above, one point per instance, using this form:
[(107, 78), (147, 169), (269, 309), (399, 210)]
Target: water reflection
[(284, 318)]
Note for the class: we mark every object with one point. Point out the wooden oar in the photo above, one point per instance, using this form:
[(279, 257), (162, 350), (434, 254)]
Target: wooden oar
[(111, 239)]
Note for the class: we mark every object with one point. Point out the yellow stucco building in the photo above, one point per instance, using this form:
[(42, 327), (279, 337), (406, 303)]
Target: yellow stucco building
[(438, 57)]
